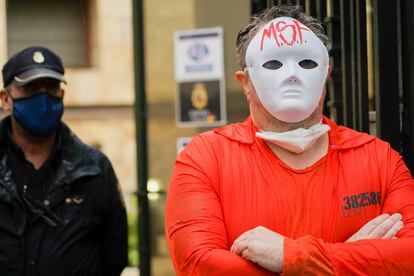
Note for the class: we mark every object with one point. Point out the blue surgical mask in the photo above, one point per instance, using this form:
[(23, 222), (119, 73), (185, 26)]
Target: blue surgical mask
[(39, 114)]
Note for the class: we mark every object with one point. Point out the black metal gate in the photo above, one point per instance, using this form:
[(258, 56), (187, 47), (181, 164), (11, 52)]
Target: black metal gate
[(391, 56)]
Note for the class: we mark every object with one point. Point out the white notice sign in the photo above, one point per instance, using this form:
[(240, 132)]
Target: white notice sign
[(198, 54)]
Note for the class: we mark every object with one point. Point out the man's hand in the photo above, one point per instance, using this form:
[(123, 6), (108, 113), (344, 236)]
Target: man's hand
[(262, 246), (381, 227)]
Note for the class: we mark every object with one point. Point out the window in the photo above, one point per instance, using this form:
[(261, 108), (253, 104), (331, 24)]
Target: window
[(60, 25)]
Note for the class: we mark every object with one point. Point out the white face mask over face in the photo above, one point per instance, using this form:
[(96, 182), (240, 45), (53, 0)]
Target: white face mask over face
[(288, 65)]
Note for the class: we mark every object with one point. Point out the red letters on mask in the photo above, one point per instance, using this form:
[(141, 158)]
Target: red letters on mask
[(278, 32)]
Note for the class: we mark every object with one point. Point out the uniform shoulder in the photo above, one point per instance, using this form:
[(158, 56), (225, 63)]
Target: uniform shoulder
[(78, 151)]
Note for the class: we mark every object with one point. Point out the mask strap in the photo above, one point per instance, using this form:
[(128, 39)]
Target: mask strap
[(8, 92)]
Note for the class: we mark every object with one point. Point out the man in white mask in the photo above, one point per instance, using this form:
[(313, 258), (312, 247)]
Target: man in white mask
[(288, 191)]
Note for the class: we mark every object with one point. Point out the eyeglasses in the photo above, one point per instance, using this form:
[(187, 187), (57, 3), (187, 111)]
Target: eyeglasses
[(40, 209)]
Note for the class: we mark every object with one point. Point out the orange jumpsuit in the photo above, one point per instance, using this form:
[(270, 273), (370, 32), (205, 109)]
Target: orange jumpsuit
[(227, 181)]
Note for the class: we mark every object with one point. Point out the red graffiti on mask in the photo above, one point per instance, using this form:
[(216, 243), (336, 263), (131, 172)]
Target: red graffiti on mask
[(277, 31)]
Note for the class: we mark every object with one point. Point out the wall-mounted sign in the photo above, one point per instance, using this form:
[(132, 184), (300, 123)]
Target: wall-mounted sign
[(199, 103), (182, 142), (199, 73)]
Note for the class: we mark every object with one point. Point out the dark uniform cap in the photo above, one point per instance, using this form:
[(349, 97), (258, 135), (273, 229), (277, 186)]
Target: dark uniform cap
[(31, 64)]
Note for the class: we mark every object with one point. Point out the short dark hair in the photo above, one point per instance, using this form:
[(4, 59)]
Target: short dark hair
[(257, 21)]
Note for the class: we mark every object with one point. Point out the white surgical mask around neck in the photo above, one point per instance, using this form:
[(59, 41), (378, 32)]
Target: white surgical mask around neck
[(296, 141)]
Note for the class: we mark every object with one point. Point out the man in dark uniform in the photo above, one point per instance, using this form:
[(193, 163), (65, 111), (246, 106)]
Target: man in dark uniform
[(61, 212)]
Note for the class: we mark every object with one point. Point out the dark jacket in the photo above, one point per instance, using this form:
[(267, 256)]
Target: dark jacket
[(87, 234)]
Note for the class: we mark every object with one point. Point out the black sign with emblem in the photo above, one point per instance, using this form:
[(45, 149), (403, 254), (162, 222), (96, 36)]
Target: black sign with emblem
[(199, 103)]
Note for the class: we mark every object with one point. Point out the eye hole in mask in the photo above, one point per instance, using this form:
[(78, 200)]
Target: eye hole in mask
[(272, 64), (308, 64)]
